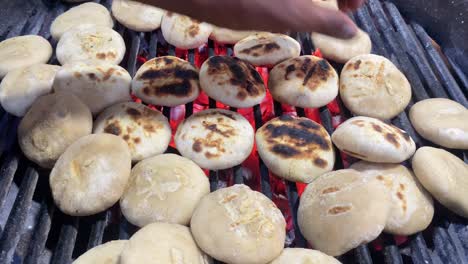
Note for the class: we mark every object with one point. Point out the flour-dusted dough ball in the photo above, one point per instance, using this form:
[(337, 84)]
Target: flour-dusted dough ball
[(370, 85), (166, 81), (229, 36), (22, 51), (146, 131), (184, 32), (163, 243), (444, 175), (91, 175), (239, 226), (306, 81), (342, 50), (108, 253), (341, 210), (215, 139), (164, 188), (137, 16), (90, 42), (412, 207), (21, 87), (53, 123), (87, 13), (370, 139), (442, 121), (98, 84), (303, 256), (295, 149), (232, 81), (267, 49)]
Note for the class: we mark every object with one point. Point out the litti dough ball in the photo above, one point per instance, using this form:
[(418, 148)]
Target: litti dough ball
[(215, 139), (163, 243), (166, 81), (98, 84), (137, 16), (444, 175), (333, 4), (184, 32), (370, 85), (164, 188), (267, 49), (21, 87), (442, 121), (91, 175), (342, 50), (370, 139), (232, 81), (90, 42), (108, 253), (412, 208), (52, 124), (239, 226), (295, 149), (303, 256), (146, 131), (341, 210), (22, 51), (87, 13), (306, 81), (229, 36)]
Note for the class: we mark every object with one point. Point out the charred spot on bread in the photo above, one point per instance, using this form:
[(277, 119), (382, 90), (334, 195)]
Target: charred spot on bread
[(289, 69), (265, 48), (376, 127), (197, 146), (113, 128), (390, 137), (300, 137), (193, 29), (330, 190), (321, 163), (284, 150), (339, 209), (92, 76), (242, 75), (133, 113), (359, 123), (285, 117), (104, 55), (226, 132)]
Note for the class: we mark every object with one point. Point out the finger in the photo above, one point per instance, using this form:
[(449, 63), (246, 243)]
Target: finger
[(313, 18)]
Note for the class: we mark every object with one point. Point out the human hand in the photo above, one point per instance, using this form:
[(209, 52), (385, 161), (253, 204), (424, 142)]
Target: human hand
[(268, 15)]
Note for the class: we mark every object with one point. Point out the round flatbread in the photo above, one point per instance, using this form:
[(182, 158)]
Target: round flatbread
[(229, 36), (412, 207), (164, 188), (306, 81), (303, 256), (333, 4), (232, 81), (86, 13), (53, 123), (98, 84), (267, 49), (370, 139), (215, 139), (370, 85), (184, 32), (91, 175), (444, 175), (137, 16), (163, 243), (22, 51), (337, 201), (90, 42), (342, 50), (146, 131), (442, 121), (244, 226), (21, 87), (166, 81), (295, 149), (108, 253)]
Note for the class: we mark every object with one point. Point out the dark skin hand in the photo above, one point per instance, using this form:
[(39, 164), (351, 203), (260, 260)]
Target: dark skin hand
[(268, 15)]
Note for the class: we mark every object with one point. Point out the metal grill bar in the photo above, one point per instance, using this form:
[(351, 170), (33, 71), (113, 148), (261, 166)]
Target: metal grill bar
[(409, 47)]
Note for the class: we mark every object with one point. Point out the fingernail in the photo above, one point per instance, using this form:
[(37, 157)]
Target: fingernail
[(348, 31)]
